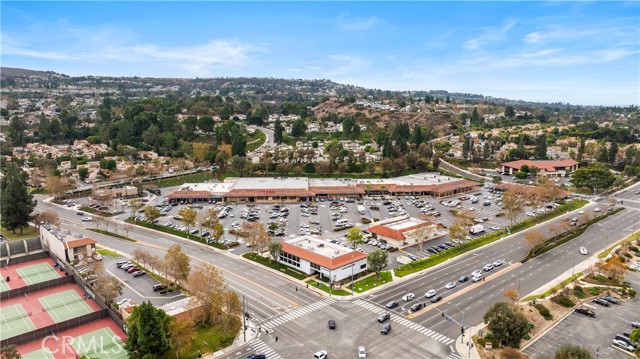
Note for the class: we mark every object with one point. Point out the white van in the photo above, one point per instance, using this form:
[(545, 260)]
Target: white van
[(342, 222)]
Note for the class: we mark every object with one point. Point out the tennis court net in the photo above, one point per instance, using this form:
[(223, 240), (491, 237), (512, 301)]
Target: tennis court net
[(33, 274), (13, 318), (58, 305)]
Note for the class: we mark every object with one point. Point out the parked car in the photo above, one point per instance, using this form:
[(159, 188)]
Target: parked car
[(586, 311), (611, 299), (158, 287), (139, 273), (624, 345), (601, 302)]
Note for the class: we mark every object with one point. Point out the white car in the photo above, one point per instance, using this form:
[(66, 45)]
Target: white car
[(581, 212), (408, 297), (476, 272), (87, 219), (450, 285), (123, 301), (488, 267), (362, 353), (320, 355), (597, 209), (476, 278), (583, 250), (497, 263), (430, 293), (495, 228)]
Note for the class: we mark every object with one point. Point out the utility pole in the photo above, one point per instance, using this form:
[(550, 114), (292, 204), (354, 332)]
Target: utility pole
[(462, 324)]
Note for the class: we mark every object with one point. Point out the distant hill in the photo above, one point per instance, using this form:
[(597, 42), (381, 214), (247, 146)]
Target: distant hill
[(17, 72)]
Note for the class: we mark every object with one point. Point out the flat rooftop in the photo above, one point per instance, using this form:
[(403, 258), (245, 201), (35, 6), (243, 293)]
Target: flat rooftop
[(331, 182), (206, 186), (271, 183), (424, 179), (319, 246), (404, 224)]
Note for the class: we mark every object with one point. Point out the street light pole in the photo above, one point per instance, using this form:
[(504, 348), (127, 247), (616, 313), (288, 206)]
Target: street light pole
[(462, 325)]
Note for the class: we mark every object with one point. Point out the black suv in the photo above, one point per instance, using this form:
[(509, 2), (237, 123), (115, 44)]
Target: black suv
[(611, 300), (602, 302), (416, 307), (332, 324), (586, 311)]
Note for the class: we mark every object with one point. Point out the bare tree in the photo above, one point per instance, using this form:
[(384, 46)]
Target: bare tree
[(127, 227), (47, 217), (257, 236), (512, 206), (534, 240)]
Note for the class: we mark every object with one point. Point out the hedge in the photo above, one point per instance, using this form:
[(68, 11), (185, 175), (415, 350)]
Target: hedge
[(546, 314), (564, 301)]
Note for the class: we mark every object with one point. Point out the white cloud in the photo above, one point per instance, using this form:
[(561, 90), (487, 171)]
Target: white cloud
[(358, 24), (489, 35)]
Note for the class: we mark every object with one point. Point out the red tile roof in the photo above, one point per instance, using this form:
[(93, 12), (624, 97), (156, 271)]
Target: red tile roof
[(190, 194), (329, 263), (269, 192), (79, 243), (548, 166), (336, 190), (397, 234)]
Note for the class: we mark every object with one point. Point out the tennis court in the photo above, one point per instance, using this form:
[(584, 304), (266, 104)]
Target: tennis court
[(37, 273), (65, 305), (3, 285), (102, 344), (43, 353), (14, 321)]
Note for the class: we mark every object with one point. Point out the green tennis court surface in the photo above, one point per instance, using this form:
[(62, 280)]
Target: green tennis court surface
[(37, 273), (14, 321), (65, 305), (3, 285), (43, 353), (102, 344)]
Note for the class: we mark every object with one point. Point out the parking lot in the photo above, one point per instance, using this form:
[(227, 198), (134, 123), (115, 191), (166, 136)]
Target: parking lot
[(288, 220), (138, 289), (596, 334)]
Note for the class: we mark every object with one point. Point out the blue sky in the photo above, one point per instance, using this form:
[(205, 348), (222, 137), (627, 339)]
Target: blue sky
[(577, 52)]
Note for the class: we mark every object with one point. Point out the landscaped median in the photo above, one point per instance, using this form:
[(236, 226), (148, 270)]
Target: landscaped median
[(275, 265), (554, 289), (107, 233), (631, 238), (438, 258), (182, 234)]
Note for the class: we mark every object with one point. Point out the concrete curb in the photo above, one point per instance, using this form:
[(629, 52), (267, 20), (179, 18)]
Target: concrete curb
[(463, 348)]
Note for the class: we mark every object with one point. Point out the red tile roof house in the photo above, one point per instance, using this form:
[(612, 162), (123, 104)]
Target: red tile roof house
[(547, 168), (315, 256)]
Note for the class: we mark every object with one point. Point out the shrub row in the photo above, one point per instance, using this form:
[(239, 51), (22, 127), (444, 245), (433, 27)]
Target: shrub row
[(546, 314), (563, 301), (182, 234)]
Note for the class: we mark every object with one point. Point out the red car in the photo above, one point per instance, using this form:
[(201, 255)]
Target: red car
[(132, 269)]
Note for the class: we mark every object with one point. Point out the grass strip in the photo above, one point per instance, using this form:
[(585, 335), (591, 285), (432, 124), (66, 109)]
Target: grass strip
[(275, 265), (106, 252), (27, 232), (182, 234), (96, 212), (323, 287), (256, 140), (478, 242), (555, 288), (370, 282), (101, 231), (631, 238)]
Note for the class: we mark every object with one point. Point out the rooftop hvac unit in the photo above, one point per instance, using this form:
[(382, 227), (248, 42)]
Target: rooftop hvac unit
[(336, 252), (66, 231), (320, 244), (77, 235)]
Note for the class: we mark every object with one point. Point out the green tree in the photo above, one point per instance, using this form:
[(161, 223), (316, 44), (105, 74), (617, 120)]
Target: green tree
[(581, 148), (277, 132), (189, 125), (147, 332), (181, 334), (541, 147), (377, 261), (509, 112), (16, 201), (298, 128), (418, 137), (603, 154), (354, 236), (83, 172), (475, 116), (274, 249), (205, 124), (572, 351), (16, 132), (177, 264), (507, 326), (596, 176), (613, 152)]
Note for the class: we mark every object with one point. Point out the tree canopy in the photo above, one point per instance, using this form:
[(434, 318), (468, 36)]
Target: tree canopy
[(507, 325), (16, 201), (147, 333), (596, 177)]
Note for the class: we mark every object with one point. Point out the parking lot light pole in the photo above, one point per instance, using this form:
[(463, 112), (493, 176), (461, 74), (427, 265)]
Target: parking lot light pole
[(462, 325)]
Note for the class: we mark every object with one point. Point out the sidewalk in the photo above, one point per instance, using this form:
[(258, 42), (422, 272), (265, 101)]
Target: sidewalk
[(462, 347)]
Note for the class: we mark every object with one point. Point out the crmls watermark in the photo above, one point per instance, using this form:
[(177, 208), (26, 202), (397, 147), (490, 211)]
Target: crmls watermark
[(74, 345)]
